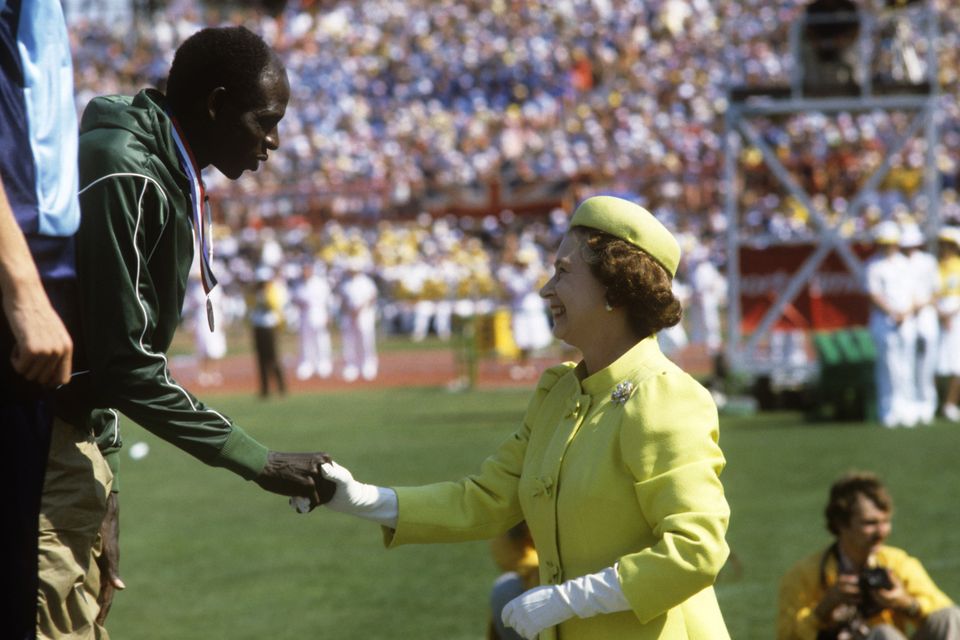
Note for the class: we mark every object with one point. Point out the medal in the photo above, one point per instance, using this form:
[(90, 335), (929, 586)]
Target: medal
[(202, 219), (210, 314)]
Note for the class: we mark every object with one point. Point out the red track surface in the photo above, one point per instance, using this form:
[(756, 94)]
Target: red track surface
[(431, 367)]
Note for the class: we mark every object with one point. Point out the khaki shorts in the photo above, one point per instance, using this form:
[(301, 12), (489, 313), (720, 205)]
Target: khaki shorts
[(75, 490)]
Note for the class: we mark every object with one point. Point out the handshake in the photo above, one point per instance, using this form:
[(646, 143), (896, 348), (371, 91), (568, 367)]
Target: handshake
[(297, 474), (340, 492), (314, 479)]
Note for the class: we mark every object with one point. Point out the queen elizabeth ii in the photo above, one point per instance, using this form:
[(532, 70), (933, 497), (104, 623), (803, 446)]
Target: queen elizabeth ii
[(615, 466)]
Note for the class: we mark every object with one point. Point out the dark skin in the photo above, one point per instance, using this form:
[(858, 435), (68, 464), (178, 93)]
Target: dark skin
[(234, 136), (109, 559)]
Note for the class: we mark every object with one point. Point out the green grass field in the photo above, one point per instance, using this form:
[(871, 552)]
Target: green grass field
[(206, 555)]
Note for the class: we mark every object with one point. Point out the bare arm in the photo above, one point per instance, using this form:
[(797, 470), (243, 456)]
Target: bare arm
[(43, 350)]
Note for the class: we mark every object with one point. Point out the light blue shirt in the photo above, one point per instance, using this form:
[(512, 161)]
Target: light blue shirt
[(51, 113)]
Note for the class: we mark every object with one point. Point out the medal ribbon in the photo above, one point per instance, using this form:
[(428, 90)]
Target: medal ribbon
[(202, 220)]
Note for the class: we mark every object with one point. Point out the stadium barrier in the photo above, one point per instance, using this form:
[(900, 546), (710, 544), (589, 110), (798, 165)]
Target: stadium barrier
[(846, 389)]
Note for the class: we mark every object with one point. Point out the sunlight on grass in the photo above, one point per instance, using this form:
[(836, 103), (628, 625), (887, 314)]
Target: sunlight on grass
[(207, 555)]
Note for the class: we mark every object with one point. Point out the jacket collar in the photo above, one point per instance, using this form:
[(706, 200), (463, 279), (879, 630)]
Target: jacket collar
[(625, 368)]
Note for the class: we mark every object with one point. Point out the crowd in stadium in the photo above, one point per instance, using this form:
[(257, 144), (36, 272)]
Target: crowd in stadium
[(403, 101), (403, 107)]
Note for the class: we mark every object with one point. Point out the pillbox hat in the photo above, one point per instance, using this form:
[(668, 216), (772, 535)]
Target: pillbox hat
[(632, 223)]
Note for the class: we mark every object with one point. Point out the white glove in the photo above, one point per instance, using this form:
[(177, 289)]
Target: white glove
[(586, 596), (356, 498), (537, 609)]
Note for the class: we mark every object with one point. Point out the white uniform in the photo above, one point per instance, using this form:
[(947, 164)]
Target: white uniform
[(673, 339), (313, 299), (358, 328), (211, 345), (924, 277), (708, 289), (889, 278), (528, 311), (948, 305), (430, 283)]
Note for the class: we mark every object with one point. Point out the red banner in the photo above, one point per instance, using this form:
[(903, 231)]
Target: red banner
[(831, 299)]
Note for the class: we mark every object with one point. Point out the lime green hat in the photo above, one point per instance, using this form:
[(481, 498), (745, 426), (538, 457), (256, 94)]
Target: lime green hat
[(630, 222)]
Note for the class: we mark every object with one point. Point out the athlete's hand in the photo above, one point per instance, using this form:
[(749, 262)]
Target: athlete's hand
[(297, 474), (109, 559)]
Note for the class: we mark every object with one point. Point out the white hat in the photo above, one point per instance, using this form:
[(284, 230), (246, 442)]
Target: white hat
[(912, 236), (886, 232), (950, 234)]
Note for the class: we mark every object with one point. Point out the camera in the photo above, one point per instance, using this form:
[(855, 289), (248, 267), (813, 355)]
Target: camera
[(871, 580), (875, 578)]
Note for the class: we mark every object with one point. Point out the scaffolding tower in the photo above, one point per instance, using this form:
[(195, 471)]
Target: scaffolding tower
[(829, 77)]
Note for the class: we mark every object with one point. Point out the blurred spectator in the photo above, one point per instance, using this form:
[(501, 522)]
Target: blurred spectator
[(265, 318), (210, 342), (674, 339), (313, 297), (358, 322), (893, 328), (708, 291), (925, 281), (948, 306), (522, 277)]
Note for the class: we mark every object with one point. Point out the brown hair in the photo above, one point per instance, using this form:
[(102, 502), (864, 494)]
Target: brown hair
[(633, 280), (843, 496)]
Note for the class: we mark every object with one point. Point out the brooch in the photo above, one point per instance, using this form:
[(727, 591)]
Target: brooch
[(622, 392)]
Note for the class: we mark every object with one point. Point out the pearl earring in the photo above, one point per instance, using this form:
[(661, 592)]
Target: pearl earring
[(608, 307)]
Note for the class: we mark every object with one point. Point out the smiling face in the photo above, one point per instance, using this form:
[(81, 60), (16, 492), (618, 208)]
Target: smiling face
[(576, 298), (867, 529), (244, 135)]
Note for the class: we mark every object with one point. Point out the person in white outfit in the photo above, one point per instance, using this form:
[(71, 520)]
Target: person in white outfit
[(674, 339), (430, 282), (358, 328), (313, 299), (708, 290), (925, 283), (948, 306), (211, 342), (529, 324), (892, 327)]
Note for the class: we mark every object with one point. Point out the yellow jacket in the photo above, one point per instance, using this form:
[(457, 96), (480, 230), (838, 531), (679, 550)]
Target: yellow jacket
[(599, 482), (802, 588)]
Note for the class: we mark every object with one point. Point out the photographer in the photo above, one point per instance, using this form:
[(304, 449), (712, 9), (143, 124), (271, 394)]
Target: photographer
[(859, 588)]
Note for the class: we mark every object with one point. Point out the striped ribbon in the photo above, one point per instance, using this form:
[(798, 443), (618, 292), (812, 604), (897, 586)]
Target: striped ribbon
[(202, 219)]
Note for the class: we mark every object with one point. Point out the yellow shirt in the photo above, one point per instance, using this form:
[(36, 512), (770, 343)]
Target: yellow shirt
[(601, 481), (950, 277), (802, 589)]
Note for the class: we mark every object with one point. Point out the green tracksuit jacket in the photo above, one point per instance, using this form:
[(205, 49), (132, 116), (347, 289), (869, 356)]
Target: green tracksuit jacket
[(135, 248)]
